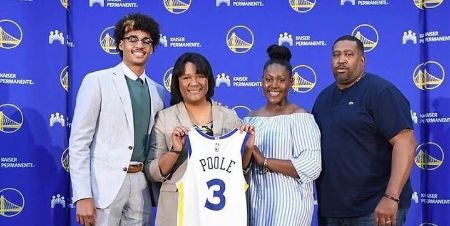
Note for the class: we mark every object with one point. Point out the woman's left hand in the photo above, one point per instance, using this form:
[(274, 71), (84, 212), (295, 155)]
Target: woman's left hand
[(251, 133)]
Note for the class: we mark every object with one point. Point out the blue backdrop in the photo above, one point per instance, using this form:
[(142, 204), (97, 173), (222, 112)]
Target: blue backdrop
[(46, 48)]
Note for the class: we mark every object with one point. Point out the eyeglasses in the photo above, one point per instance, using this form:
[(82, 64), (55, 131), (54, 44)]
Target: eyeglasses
[(133, 40)]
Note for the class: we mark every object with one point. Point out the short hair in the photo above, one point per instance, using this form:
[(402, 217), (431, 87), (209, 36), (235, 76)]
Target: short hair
[(279, 55), (136, 22), (359, 44), (202, 66)]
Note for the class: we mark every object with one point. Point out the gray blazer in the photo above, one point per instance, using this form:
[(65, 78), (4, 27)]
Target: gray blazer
[(224, 120), (102, 134)]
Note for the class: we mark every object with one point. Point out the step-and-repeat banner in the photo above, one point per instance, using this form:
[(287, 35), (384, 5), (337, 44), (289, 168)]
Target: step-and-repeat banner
[(47, 47)]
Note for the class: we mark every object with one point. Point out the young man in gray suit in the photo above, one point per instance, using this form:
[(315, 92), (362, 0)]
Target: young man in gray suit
[(114, 113)]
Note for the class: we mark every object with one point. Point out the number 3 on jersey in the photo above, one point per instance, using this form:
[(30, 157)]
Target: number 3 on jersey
[(216, 194)]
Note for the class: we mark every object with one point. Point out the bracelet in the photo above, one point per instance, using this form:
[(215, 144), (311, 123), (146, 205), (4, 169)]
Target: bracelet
[(266, 168), (391, 198), (245, 171), (173, 151)]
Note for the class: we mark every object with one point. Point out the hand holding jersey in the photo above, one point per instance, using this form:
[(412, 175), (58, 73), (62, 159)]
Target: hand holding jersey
[(178, 138)]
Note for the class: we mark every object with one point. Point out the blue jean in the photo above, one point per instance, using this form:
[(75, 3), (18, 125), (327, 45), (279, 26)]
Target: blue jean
[(366, 220)]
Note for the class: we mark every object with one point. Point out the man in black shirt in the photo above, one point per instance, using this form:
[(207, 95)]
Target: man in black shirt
[(367, 143)]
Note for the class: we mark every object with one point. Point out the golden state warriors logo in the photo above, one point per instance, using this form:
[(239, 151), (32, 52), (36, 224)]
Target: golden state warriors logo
[(11, 118), (11, 202), (429, 156), (428, 75), (428, 224), (64, 78), (177, 6), (242, 111), (65, 159), (302, 6), (368, 36), (10, 34), (427, 4), (303, 78), (168, 78), (240, 39), (107, 41), (65, 3)]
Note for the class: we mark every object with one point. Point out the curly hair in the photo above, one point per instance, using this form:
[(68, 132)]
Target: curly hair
[(136, 22)]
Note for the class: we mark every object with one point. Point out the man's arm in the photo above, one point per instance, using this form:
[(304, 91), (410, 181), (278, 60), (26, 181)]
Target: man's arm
[(404, 145), (83, 129)]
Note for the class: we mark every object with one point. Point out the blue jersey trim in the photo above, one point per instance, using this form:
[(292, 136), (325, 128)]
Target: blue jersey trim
[(244, 143), (214, 138), (187, 146)]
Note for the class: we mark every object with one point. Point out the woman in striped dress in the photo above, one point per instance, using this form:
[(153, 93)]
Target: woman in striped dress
[(286, 151)]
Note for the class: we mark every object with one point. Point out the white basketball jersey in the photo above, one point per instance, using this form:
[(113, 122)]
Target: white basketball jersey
[(212, 190)]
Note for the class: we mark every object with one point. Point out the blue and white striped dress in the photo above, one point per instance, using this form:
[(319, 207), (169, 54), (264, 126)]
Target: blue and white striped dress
[(276, 199)]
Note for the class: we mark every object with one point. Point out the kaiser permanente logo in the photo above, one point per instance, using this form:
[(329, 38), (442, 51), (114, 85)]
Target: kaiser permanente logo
[(365, 2), (427, 4), (240, 39), (429, 117), (11, 118), (13, 79), (12, 202), (224, 79), (168, 78), (10, 34), (240, 3), (178, 42), (428, 75), (429, 156), (59, 201), (302, 6), (57, 118), (113, 3), (177, 6), (409, 36), (14, 162), (368, 36), (57, 36), (427, 37), (304, 78), (414, 117), (415, 197), (56, 200), (107, 42), (432, 198), (299, 40)]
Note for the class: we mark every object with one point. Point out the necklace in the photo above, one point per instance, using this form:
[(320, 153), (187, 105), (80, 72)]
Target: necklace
[(360, 77), (198, 116)]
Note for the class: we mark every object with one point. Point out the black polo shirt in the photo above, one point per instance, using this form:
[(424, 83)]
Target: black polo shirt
[(356, 125)]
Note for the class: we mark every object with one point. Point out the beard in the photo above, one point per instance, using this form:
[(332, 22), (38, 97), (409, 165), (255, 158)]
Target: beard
[(343, 78)]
